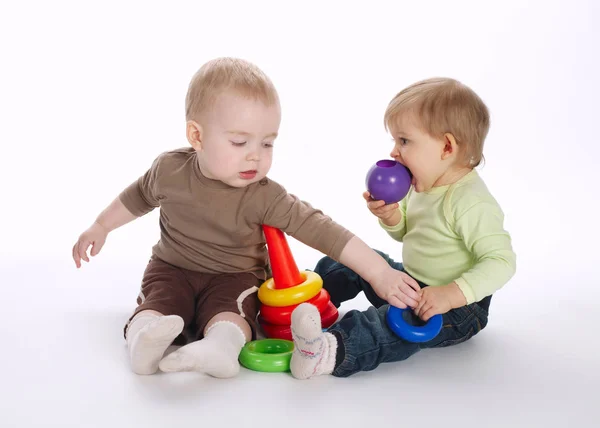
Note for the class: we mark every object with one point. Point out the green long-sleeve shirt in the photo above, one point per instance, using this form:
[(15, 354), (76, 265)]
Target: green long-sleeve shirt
[(455, 233)]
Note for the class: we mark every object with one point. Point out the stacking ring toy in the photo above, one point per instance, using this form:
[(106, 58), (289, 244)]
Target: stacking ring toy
[(282, 315), (267, 355), (412, 333), (270, 296)]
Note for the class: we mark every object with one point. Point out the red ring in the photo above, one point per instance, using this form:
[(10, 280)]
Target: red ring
[(329, 315), (274, 331), (283, 315)]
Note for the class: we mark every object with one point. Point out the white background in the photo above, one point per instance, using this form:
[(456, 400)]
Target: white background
[(91, 93)]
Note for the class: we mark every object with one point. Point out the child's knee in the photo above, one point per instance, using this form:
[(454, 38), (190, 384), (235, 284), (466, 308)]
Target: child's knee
[(325, 265)]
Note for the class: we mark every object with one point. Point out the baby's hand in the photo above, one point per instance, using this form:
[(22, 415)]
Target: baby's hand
[(94, 236), (398, 289), (439, 300), (389, 214)]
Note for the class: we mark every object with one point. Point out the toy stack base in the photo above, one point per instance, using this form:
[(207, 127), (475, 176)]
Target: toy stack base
[(267, 355)]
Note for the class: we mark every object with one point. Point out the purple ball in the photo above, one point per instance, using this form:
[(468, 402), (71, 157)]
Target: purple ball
[(388, 180)]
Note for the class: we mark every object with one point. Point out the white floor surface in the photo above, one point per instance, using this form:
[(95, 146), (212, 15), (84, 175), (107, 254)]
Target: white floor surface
[(65, 366)]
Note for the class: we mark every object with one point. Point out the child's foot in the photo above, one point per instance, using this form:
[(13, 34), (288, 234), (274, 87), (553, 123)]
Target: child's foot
[(216, 355), (148, 337), (314, 351)]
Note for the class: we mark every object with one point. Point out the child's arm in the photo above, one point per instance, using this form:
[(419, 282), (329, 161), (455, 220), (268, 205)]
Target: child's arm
[(482, 231), (313, 228), (481, 228), (136, 200), (114, 216), (396, 287)]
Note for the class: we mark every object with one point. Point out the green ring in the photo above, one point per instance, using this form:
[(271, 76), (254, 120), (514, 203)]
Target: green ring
[(267, 355)]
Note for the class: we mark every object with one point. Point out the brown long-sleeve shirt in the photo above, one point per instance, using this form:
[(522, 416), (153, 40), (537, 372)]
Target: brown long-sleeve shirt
[(209, 226)]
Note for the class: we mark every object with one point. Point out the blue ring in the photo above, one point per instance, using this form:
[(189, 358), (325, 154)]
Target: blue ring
[(412, 333)]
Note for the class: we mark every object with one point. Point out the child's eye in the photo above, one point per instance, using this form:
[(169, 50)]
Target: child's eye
[(238, 143), (268, 145), (400, 141)]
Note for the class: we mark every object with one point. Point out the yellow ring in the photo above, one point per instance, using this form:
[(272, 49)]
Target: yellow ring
[(300, 293)]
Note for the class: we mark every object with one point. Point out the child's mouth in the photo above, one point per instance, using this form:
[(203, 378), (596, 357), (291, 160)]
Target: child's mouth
[(248, 175)]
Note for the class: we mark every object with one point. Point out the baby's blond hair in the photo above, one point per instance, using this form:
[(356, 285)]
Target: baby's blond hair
[(222, 74), (443, 105)]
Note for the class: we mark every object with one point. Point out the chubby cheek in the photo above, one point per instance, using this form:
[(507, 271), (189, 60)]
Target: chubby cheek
[(224, 163), (266, 162)]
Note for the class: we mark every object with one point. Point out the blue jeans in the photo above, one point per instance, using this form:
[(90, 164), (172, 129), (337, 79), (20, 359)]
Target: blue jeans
[(364, 339)]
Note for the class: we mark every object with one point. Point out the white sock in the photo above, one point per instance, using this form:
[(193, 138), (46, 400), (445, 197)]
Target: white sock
[(148, 337), (314, 351), (216, 355)]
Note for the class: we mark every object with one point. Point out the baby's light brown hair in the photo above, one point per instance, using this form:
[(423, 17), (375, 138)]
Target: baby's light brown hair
[(443, 105), (223, 74)]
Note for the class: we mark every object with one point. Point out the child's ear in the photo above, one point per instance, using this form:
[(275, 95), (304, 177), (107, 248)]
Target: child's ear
[(450, 146), (193, 132)]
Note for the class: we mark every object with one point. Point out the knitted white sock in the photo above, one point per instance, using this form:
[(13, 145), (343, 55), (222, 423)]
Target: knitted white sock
[(216, 355), (148, 337), (314, 351)]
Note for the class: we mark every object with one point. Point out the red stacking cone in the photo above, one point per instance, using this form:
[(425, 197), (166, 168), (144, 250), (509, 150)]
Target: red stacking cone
[(275, 321), (285, 270)]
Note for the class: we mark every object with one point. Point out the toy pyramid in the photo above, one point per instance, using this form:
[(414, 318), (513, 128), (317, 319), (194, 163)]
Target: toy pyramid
[(289, 287)]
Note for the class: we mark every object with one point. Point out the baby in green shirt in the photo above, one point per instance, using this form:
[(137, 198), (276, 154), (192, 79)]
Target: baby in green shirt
[(451, 227)]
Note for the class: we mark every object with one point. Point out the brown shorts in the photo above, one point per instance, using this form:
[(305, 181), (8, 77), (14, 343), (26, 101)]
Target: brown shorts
[(197, 297)]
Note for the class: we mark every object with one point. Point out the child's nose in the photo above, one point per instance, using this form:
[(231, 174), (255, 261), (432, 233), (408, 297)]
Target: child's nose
[(252, 156)]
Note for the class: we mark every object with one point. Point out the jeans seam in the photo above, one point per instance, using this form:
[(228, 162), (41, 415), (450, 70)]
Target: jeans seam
[(467, 319)]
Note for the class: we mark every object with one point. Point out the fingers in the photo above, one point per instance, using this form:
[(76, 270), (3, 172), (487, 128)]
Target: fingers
[(429, 313), (426, 309), (379, 209), (395, 301), (412, 301), (94, 237), (422, 308), (80, 252), (96, 247), (412, 297), (408, 289), (422, 303), (381, 206), (83, 247), (76, 257), (375, 205), (411, 282)]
